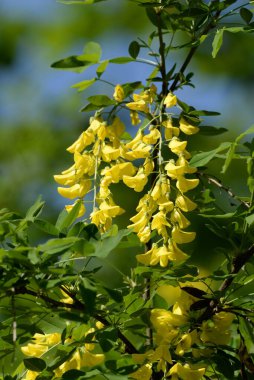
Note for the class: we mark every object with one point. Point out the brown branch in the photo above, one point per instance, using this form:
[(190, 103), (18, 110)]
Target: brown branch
[(215, 181), (77, 305)]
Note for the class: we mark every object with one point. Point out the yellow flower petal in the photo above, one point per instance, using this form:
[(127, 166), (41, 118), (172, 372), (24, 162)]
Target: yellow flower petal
[(182, 237), (170, 100), (187, 128), (185, 185), (118, 93), (184, 203)]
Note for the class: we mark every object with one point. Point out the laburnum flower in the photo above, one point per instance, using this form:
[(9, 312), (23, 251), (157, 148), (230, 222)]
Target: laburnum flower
[(137, 182), (177, 146), (141, 150), (162, 255), (160, 223), (184, 203), (143, 373), (86, 138), (164, 319), (174, 171), (152, 137), (186, 372), (118, 93), (109, 153), (78, 190), (30, 375), (81, 211), (169, 130), (182, 237), (187, 128), (177, 217), (148, 166), (170, 100), (41, 344), (161, 190), (217, 330), (139, 105), (102, 217), (183, 184), (161, 355), (135, 120), (115, 131), (186, 342), (116, 172), (84, 163)]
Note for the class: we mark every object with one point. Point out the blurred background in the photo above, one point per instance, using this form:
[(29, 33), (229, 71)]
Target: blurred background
[(39, 112)]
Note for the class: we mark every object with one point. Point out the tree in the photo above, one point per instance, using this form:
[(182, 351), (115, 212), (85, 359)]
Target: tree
[(61, 315)]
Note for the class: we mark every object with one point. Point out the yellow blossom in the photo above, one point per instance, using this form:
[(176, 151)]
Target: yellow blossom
[(179, 218), (174, 171), (159, 222), (144, 234), (186, 372), (187, 128), (34, 349), (84, 163), (170, 100), (77, 190), (81, 212), (116, 172), (30, 375), (177, 146), (184, 203), (165, 319), (143, 373), (116, 129), (137, 182), (135, 120), (67, 179), (139, 105), (187, 340), (182, 237), (148, 166), (141, 150), (109, 153), (152, 137), (185, 185), (217, 330), (176, 254), (118, 93), (170, 130)]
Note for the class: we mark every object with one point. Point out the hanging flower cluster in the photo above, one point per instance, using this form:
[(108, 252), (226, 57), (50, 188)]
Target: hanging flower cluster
[(103, 157), (175, 333), (81, 357)]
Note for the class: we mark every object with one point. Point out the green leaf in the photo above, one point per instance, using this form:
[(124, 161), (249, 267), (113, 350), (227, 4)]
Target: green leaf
[(250, 219), (100, 100), (247, 333), (249, 131), (102, 67), (83, 85), (92, 52), (121, 60), (47, 227), (71, 62), (104, 246), (134, 49), (130, 87), (246, 15), (90, 107), (73, 374), (53, 246), (229, 157), (203, 113), (35, 210), (217, 42), (201, 159), (66, 218), (35, 364), (211, 131)]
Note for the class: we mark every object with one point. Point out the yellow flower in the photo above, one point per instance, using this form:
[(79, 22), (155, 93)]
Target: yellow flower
[(144, 234), (140, 221), (179, 218), (174, 171), (187, 128), (111, 210), (116, 129), (186, 372), (170, 100), (152, 137), (34, 349), (176, 254), (187, 340), (217, 330), (67, 299), (81, 212), (78, 145), (137, 182), (30, 375), (118, 93), (67, 179), (159, 222), (165, 319), (182, 237), (143, 373), (139, 105), (170, 131), (109, 153), (77, 190), (185, 185), (148, 166), (177, 146), (115, 173), (184, 203), (141, 150), (89, 359), (84, 163), (135, 120)]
